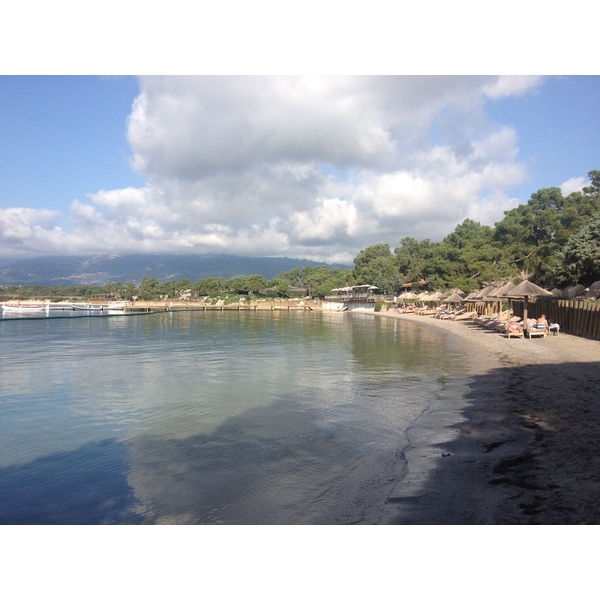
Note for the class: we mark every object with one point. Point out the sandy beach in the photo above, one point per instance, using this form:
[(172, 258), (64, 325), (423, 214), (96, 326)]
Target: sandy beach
[(522, 448)]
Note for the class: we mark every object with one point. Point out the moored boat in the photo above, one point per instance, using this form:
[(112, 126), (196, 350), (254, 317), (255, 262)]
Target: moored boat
[(25, 308), (118, 305), (87, 307)]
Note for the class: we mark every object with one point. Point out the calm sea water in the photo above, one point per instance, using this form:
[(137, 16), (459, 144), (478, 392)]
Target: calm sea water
[(218, 418)]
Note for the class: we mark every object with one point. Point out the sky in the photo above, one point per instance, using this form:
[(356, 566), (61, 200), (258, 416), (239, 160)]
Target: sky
[(315, 167)]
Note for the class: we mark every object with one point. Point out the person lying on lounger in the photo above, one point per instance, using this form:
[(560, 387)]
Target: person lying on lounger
[(514, 327)]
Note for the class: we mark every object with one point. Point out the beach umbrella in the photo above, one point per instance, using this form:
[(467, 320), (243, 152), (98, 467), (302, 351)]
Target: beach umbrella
[(485, 292), (408, 296), (454, 298), (527, 289), (433, 297), (484, 296), (503, 291), (472, 296)]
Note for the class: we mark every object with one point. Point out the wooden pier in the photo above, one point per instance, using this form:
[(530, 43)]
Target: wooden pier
[(138, 309)]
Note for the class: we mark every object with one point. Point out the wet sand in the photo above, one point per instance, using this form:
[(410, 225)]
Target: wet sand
[(521, 445)]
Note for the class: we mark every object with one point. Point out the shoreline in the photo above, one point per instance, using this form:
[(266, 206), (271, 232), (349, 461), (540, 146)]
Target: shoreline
[(519, 447)]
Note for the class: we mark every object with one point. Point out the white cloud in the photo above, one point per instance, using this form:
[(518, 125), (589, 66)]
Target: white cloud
[(316, 167), (515, 85), (575, 184), (28, 231)]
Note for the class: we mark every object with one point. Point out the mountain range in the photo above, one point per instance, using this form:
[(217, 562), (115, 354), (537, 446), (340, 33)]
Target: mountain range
[(110, 268)]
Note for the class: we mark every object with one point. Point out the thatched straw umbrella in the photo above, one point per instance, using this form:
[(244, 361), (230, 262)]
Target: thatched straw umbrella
[(485, 292), (527, 290), (470, 300), (484, 296), (454, 299), (501, 294), (503, 291), (407, 297)]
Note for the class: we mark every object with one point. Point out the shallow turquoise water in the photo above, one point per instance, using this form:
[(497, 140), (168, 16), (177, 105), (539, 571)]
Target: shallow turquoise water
[(217, 417)]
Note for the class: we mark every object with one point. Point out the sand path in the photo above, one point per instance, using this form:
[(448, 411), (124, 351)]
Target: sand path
[(523, 449)]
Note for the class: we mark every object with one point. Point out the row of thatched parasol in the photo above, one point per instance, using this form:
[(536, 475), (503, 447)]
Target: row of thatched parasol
[(523, 291), (509, 291)]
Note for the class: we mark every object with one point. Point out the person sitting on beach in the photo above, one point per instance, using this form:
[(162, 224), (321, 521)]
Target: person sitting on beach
[(542, 323)]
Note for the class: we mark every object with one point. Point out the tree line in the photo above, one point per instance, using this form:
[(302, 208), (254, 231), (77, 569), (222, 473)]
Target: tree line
[(552, 240)]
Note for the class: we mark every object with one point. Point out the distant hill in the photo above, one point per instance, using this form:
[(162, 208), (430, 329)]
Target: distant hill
[(109, 268)]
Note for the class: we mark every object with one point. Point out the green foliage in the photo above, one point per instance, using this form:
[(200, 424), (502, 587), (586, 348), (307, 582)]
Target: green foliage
[(150, 288), (532, 235), (377, 265), (413, 258), (580, 257), (594, 187), (255, 283), (131, 290), (281, 286)]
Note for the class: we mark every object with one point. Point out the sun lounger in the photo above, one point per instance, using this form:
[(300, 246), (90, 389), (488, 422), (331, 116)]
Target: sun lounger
[(503, 325), (509, 329), (536, 333), (533, 332), (484, 321), (510, 334), (425, 311), (453, 314), (465, 316)]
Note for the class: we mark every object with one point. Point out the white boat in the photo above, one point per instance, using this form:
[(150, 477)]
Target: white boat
[(87, 307), (25, 308), (118, 305)]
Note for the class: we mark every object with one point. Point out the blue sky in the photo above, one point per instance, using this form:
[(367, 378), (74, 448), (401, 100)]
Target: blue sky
[(310, 167), (63, 137), (558, 128)]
